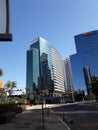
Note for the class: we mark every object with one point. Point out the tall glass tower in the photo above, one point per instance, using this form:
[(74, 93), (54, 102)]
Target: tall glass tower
[(87, 55), (32, 68), (68, 75), (87, 77), (41, 62)]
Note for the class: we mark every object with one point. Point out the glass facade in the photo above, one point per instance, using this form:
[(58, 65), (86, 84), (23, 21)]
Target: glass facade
[(32, 68), (87, 55), (68, 75), (87, 77), (40, 64)]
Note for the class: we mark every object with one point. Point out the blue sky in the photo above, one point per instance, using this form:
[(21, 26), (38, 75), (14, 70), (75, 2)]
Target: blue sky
[(58, 21)]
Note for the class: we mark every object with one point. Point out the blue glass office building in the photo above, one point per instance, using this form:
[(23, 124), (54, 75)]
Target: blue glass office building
[(87, 55), (32, 68), (40, 63)]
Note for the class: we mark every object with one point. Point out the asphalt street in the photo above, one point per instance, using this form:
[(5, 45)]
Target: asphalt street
[(82, 116)]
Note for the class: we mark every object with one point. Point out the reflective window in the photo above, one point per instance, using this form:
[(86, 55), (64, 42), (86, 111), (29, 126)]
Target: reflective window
[(87, 55)]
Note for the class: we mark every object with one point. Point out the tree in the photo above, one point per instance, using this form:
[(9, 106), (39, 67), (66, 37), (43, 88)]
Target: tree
[(36, 94), (2, 93), (10, 86), (1, 82), (14, 84), (94, 85), (1, 72), (27, 90)]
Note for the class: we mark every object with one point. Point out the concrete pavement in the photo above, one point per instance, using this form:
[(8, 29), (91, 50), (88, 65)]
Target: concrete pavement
[(32, 119)]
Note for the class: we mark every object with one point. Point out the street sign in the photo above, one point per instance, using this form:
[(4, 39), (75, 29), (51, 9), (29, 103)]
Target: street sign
[(5, 34)]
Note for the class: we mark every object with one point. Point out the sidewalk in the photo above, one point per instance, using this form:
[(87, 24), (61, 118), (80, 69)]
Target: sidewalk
[(31, 119)]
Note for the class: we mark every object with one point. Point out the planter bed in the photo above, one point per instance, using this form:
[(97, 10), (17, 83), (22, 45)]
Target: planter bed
[(19, 110), (7, 117)]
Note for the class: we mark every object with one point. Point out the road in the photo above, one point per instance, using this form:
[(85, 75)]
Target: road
[(82, 116)]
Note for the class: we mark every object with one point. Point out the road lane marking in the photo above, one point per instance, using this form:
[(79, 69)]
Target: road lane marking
[(73, 112)]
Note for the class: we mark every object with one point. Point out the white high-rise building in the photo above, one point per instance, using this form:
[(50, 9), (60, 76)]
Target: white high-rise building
[(58, 72)]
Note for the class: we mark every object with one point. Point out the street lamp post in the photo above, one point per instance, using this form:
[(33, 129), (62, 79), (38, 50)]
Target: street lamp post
[(40, 79)]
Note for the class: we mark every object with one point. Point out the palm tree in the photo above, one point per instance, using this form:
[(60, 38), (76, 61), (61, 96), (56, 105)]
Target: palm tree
[(1, 72), (10, 86), (94, 86), (27, 90), (14, 84)]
